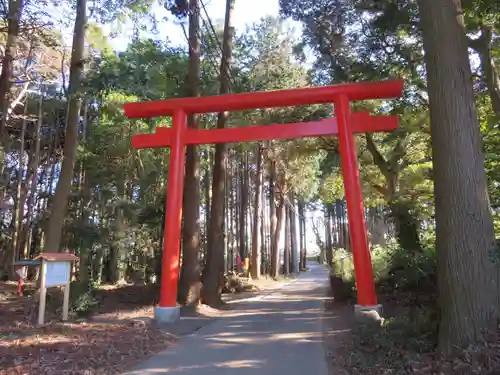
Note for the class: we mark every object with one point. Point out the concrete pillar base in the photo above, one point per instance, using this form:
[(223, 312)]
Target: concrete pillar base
[(369, 314), (167, 315)]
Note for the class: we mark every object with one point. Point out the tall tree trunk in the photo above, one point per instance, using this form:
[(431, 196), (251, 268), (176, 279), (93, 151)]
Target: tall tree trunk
[(286, 242), (13, 21), (231, 217), (224, 222), (483, 47), (117, 251), (343, 225), (300, 209), (190, 283), (85, 262), (379, 227), (275, 250), (275, 257), (19, 206), (60, 199), (208, 197), (407, 227), (257, 214), (248, 216), (243, 210), (295, 266), (335, 227), (237, 194), (464, 225), (229, 225), (98, 263), (215, 255), (328, 234), (158, 267), (264, 251), (33, 179), (302, 234)]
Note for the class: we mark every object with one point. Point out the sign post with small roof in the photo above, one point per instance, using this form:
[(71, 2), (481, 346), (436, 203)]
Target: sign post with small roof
[(55, 270)]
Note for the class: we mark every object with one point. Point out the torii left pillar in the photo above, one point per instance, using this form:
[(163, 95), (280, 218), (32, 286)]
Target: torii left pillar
[(167, 311)]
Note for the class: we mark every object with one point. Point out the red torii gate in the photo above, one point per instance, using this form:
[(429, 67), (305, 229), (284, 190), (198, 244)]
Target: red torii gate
[(345, 125)]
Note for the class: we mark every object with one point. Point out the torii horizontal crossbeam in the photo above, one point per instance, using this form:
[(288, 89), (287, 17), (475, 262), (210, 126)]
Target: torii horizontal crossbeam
[(361, 122), (265, 99)]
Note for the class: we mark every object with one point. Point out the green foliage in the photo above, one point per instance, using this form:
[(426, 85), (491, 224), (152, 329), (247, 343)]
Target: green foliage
[(491, 136), (83, 304), (392, 266), (147, 69), (82, 300), (123, 184), (263, 59), (332, 187), (480, 12), (107, 11), (343, 265), (303, 169), (406, 287)]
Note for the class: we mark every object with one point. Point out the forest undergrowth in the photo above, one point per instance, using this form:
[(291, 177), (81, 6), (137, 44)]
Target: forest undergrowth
[(406, 341)]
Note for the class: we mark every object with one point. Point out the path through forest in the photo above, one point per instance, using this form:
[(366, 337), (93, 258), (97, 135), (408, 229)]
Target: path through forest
[(279, 333)]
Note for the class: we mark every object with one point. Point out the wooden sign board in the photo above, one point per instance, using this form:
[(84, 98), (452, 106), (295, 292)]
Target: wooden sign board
[(55, 271)]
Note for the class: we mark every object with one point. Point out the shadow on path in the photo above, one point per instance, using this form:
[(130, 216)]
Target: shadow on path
[(278, 333)]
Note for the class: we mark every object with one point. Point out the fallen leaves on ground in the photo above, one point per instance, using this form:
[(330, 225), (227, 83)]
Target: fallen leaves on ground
[(86, 348), (403, 346), (115, 338)]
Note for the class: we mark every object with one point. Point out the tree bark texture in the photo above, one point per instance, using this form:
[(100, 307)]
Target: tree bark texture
[(214, 266), (294, 264), (13, 21), (464, 226), (190, 280), (60, 199), (256, 230)]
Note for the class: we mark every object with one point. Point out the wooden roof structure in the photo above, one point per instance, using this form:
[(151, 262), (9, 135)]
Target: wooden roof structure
[(57, 257)]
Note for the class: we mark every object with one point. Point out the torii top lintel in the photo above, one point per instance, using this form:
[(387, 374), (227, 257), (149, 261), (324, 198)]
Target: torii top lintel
[(266, 99)]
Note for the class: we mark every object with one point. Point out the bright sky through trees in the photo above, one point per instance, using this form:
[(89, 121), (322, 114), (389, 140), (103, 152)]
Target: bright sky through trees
[(246, 12)]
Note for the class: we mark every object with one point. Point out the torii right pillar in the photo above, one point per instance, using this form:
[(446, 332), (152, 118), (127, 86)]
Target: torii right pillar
[(367, 298)]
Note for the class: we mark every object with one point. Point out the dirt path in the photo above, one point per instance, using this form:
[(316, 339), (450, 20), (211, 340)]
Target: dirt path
[(281, 332)]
